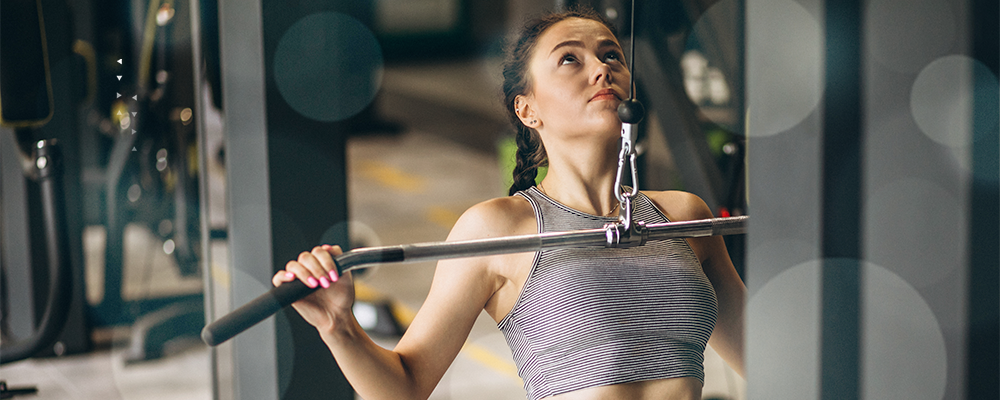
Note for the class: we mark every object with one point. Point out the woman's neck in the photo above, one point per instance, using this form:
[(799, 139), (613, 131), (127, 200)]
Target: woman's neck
[(583, 178)]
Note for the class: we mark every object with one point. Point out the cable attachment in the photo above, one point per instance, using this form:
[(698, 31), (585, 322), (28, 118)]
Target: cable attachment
[(625, 233), (627, 155)]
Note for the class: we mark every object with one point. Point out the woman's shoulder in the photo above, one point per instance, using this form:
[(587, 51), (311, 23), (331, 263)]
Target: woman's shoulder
[(503, 216), (679, 205)]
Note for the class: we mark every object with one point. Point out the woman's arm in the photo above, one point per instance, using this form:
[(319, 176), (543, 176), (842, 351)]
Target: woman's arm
[(727, 338), (460, 289)]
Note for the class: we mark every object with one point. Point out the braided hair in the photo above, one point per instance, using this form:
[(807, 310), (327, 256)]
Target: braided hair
[(517, 81)]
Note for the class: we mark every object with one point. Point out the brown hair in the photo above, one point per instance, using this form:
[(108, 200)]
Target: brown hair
[(517, 81)]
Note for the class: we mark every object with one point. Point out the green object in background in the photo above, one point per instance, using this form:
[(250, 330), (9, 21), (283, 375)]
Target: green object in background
[(507, 153), (717, 138)]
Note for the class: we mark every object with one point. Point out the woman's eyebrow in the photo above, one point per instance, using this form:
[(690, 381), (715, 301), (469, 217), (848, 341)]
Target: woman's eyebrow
[(574, 43), (579, 43), (609, 43)]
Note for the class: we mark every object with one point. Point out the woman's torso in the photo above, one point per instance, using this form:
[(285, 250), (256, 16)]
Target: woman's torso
[(517, 269)]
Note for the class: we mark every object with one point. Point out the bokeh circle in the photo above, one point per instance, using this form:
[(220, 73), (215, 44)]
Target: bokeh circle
[(783, 331), (944, 94), (903, 353), (784, 65), (328, 66)]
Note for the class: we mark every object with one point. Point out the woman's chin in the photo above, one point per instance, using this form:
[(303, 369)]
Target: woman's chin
[(605, 125), (613, 124)]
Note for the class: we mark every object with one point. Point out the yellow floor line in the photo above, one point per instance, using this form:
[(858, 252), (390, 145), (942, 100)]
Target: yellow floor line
[(485, 357), (392, 177), (441, 216), (400, 180), (404, 315)]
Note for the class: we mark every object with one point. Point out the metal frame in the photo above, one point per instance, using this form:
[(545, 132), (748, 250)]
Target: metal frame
[(49, 169), (253, 359)]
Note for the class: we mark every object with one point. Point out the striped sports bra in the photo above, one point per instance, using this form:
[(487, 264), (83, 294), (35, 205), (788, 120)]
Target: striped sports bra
[(595, 316)]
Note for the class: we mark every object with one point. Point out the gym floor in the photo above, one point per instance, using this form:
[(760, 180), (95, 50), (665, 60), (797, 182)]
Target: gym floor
[(404, 187)]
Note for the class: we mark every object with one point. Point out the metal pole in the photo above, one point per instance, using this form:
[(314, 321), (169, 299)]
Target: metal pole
[(201, 110), (610, 236)]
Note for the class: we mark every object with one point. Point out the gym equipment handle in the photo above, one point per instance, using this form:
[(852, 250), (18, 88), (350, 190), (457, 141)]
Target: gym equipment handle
[(280, 297)]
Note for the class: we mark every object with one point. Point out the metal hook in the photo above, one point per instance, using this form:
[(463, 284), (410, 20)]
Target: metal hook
[(627, 154)]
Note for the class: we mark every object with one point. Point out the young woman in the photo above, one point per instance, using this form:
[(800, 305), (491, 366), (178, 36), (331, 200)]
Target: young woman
[(581, 323)]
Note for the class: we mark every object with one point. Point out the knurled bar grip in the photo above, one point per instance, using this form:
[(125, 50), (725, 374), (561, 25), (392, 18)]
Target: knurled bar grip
[(280, 297)]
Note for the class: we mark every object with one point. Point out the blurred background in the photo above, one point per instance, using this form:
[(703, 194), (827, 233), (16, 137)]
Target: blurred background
[(160, 159)]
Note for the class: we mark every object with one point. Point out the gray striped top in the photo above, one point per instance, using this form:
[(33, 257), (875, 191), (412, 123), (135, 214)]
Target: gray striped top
[(596, 316)]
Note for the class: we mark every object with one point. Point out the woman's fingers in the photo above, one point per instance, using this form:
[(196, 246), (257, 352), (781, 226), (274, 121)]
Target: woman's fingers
[(315, 268), (318, 267), (300, 271), (282, 277), (325, 254)]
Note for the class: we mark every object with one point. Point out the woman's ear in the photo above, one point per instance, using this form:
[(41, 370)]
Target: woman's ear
[(525, 110)]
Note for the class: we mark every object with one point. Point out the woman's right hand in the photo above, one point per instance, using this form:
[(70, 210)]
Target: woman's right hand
[(329, 307)]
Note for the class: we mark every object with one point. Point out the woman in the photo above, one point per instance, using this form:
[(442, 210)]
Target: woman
[(581, 323)]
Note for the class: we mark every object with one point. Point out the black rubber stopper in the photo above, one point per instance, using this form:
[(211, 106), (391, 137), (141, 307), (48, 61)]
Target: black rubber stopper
[(631, 111)]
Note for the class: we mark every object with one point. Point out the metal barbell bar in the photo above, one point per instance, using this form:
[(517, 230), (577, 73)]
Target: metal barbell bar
[(613, 235)]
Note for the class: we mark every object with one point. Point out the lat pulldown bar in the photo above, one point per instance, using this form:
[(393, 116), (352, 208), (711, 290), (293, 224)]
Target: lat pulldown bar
[(613, 235)]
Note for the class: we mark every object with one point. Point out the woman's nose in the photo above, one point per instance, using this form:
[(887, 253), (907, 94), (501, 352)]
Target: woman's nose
[(602, 72)]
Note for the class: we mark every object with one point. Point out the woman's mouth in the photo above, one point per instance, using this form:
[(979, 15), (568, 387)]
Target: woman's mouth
[(605, 94)]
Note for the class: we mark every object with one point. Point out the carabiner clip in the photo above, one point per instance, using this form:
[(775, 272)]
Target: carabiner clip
[(626, 233), (627, 154)]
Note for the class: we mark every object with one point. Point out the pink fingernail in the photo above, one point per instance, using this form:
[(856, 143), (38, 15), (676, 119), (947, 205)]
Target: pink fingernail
[(311, 282), (324, 282), (333, 276), (289, 275)]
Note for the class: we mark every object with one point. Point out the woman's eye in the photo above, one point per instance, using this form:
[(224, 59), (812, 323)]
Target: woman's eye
[(567, 59), (613, 56)]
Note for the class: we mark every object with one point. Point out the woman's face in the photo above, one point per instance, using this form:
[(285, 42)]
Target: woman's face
[(579, 77)]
